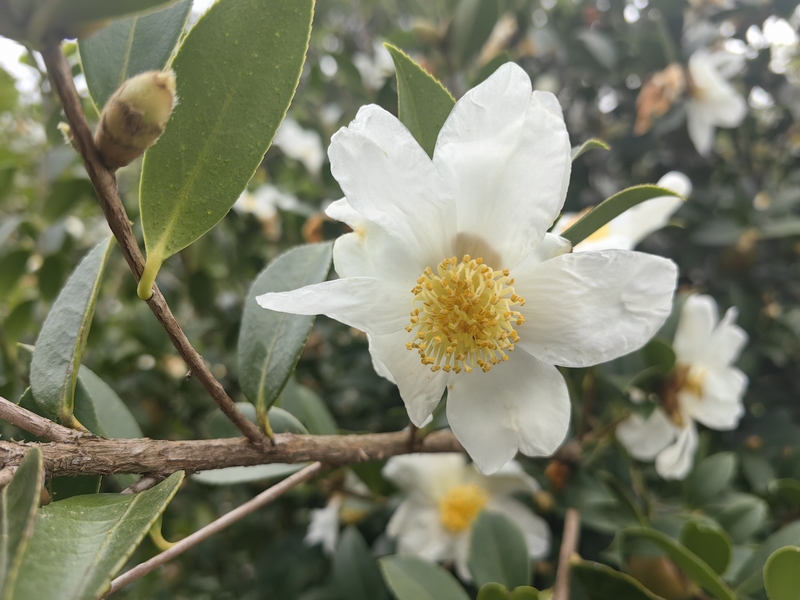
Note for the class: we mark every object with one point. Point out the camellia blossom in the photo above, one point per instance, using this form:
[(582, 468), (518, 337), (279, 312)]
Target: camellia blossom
[(304, 145), (631, 227), (450, 272), (444, 497), (323, 527), (704, 387), (714, 102)]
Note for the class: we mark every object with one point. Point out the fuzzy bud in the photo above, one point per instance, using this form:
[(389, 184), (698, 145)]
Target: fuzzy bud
[(135, 117)]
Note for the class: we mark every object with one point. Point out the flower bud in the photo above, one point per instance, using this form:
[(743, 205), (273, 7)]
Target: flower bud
[(135, 117)]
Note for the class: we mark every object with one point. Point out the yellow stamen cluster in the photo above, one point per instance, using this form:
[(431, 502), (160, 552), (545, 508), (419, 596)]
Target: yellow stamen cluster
[(463, 316), (460, 506)]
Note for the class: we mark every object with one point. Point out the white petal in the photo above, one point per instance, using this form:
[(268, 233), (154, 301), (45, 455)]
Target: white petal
[(730, 108), (509, 479), (461, 547), (372, 305), (721, 406), (387, 177), (651, 215), (420, 533), (590, 307), (426, 477), (700, 124), (533, 527), (698, 317), (726, 341), (323, 527), (677, 182), (520, 404), (420, 388), (504, 152), (644, 439), (676, 461)]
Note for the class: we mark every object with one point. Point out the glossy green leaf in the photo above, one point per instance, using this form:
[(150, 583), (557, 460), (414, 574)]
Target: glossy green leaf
[(782, 574), (710, 543), (472, 25), (742, 515), (19, 502), (601, 582), (659, 355), (79, 544), (355, 573), (62, 488), (309, 408), (498, 552), (412, 578), (54, 367), (697, 570), (130, 46), (270, 342), (423, 102), (237, 72), (113, 416), (590, 144), (711, 476), (749, 577), (611, 208)]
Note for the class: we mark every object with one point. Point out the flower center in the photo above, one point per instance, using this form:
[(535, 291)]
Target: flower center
[(463, 316), (461, 505), (684, 378)]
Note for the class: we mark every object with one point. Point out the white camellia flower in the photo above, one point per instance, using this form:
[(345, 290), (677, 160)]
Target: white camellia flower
[(451, 274), (304, 145), (375, 69), (631, 227), (714, 102), (444, 496), (704, 387)]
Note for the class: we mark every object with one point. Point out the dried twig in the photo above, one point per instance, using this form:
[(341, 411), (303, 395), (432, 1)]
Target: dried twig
[(569, 544), (105, 184), (224, 521), (144, 483), (38, 426)]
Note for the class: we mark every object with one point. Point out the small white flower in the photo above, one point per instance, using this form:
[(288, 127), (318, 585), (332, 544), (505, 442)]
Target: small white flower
[(323, 527), (714, 102), (444, 496), (704, 387), (375, 69), (632, 226), (304, 145), (449, 269)]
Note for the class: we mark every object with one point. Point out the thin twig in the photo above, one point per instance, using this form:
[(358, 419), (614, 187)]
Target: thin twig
[(224, 521), (144, 483), (105, 184), (569, 544), (38, 426)]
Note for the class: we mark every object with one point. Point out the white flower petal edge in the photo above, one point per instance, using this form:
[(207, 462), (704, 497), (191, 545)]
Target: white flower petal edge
[(437, 483), (501, 143), (590, 307), (645, 438), (525, 406), (324, 526), (675, 462)]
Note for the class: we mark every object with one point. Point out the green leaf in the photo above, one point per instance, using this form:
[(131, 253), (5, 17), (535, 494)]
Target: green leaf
[(786, 490), (355, 573), (697, 570), (270, 342), (709, 543), (658, 354), (113, 416), (611, 208), (19, 502), (472, 25), (742, 515), (782, 574), (524, 592), (54, 367), (237, 475), (79, 544), (749, 579), (601, 582), (590, 144), (309, 408), (498, 552), (237, 72), (711, 476), (423, 102), (130, 46), (493, 591), (62, 488), (412, 578)]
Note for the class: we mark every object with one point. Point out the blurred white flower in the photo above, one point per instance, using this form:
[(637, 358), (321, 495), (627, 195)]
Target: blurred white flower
[(444, 496), (704, 387), (632, 226), (714, 102), (323, 527), (301, 144), (375, 69), (263, 203), (449, 269)]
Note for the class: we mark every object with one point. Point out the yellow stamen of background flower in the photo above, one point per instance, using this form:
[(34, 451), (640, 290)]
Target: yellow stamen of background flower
[(461, 505), (694, 381), (463, 316)]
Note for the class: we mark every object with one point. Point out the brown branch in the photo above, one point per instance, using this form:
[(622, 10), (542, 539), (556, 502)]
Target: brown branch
[(6, 475), (38, 426), (224, 521), (91, 455), (569, 544), (105, 184), (144, 483)]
